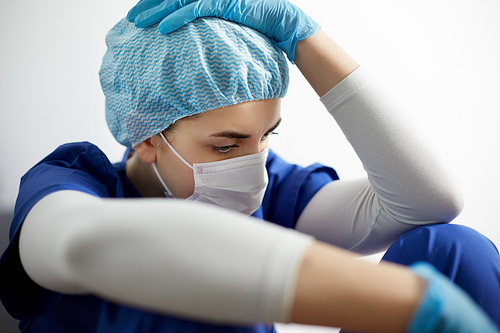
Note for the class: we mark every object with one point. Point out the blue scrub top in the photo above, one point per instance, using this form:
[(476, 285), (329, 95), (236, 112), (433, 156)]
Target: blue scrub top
[(84, 167)]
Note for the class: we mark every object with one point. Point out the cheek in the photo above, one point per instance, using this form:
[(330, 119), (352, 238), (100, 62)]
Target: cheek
[(184, 183), (178, 177)]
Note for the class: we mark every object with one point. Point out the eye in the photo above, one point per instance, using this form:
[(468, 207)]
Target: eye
[(223, 149), (265, 136)]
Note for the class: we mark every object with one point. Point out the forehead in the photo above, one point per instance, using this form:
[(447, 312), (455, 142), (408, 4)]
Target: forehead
[(248, 117)]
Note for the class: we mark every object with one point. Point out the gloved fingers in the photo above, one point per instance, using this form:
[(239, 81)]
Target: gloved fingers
[(254, 14), (193, 9), (179, 18), (155, 14), (141, 7), (221, 9)]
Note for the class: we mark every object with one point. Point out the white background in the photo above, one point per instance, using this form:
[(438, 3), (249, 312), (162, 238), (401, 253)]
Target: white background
[(440, 58)]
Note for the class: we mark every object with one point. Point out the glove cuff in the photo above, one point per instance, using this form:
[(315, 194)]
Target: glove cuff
[(288, 45), (426, 317)]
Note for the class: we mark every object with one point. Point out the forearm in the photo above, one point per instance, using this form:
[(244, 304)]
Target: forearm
[(334, 289), (322, 62)]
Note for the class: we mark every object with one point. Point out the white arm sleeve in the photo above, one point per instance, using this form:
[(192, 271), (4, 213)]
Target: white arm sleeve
[(185, 259), (408, 185)]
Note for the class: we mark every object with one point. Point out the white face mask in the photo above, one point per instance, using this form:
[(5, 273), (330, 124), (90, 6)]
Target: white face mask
[(236, 183)]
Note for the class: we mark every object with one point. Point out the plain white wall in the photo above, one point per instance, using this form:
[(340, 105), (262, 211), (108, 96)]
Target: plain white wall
[(440, 58)]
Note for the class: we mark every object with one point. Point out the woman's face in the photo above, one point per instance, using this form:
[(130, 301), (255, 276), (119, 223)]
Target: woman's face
[(215, 135)]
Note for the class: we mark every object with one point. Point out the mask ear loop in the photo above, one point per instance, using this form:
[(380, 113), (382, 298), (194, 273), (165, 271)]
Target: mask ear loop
[(167, 191), (176, 153)]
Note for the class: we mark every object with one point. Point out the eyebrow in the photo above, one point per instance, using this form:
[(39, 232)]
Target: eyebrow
[(238, 135)]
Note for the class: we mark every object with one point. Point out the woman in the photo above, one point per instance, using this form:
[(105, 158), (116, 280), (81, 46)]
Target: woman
[(198, 104)]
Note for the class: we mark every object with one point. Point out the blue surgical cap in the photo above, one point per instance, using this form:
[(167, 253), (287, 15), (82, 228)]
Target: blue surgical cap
[(151, 80)]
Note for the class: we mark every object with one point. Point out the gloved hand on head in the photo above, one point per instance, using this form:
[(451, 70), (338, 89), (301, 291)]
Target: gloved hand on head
[(445, 308), (279, 20)]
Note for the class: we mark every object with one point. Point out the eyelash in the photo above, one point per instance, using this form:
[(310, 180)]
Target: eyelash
[(267, 134), (224, 150)]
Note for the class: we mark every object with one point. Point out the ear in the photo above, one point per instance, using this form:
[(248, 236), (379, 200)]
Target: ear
[(146, 150)]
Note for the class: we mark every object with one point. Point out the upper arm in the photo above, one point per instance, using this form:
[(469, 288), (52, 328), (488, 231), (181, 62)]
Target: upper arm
[(290, 189), (349, 214)]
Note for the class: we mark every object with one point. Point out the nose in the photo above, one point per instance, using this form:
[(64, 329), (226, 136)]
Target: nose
[(257, 147)]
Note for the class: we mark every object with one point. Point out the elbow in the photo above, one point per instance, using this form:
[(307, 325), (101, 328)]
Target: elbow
[(443, 207), (432, 207), (447, 199), (80, 248), (451, 206), (75, 256)]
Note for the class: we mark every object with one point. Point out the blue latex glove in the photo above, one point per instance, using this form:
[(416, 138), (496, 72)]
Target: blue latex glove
[(445, 308), (279, 20)]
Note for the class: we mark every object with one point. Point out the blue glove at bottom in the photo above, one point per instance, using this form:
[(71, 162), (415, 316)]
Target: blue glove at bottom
[(445, 308)]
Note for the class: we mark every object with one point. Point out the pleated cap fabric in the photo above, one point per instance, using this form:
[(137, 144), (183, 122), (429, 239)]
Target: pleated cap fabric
[(150, 80)]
